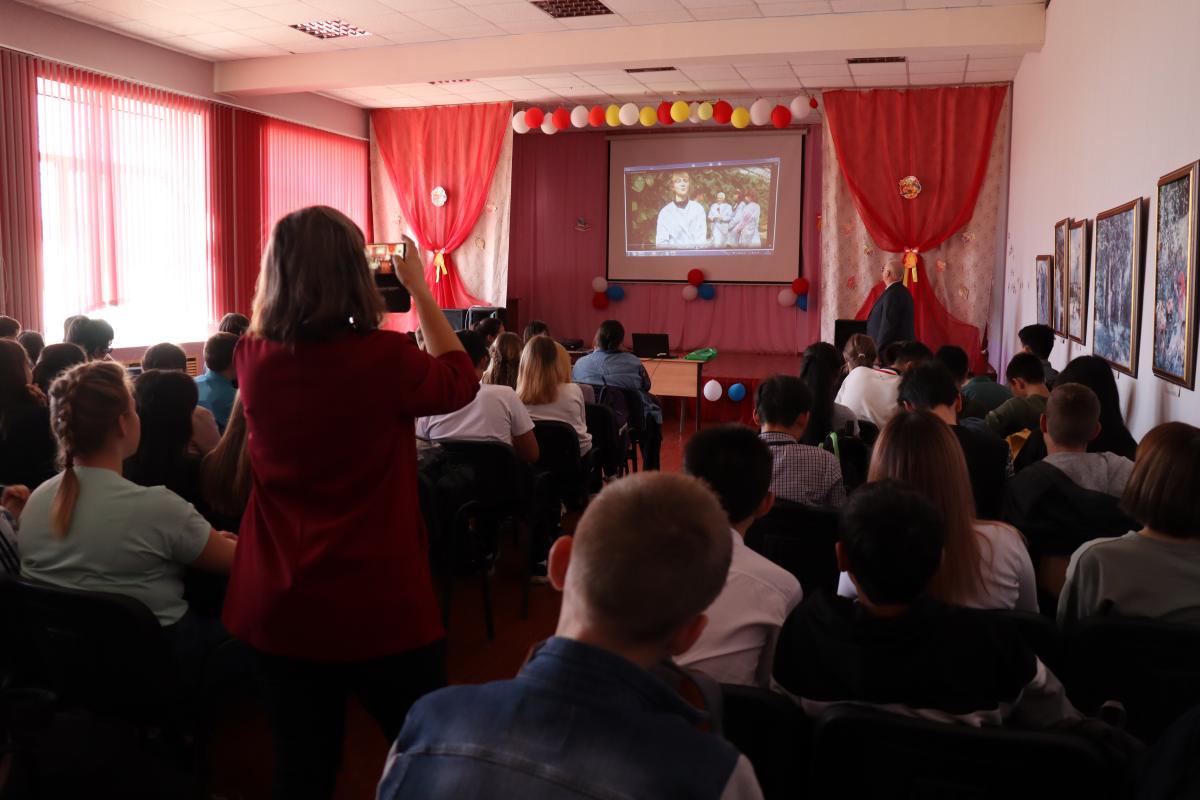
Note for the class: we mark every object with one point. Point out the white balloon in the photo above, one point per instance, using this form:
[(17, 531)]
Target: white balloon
[(760, 111), (519, 122), (628, 114), (787, 297), (693, 112), (548, 125), (690, 293), (800, 108), (712, 391), (579, 116), (599, 284)]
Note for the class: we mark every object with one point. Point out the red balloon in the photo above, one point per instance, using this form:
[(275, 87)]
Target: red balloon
[(696, 277), (664, 113), (722, 111), (534, 117), (800, 286), (596, 116), (812, 102), (561, 118), (781, 117), (600, 301)]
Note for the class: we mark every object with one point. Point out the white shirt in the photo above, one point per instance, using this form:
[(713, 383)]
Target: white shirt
[(746, 228), (738, 644), (872, 394), (567, 407), (1008, 578), (681, 227), (495, 415)]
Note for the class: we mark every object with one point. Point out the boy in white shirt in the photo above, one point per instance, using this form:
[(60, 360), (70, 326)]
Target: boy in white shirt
[(743, 622), (495, 415)]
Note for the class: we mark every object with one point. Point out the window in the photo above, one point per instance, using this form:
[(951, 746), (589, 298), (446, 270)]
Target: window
[(125, 211)]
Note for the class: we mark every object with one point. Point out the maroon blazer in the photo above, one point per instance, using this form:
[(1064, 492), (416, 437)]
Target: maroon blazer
[(332, 562)]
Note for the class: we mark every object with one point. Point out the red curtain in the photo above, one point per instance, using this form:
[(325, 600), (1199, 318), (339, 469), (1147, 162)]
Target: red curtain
[(942, 137), (456, 148), (20, 202)]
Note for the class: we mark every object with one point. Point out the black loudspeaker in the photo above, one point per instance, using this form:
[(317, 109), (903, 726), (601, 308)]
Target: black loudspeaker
[(457, 317), (843, 329)]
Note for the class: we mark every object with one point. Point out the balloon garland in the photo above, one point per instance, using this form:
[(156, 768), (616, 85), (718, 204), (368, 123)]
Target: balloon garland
[(759, 114)]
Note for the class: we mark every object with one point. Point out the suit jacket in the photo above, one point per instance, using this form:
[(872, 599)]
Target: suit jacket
[(891, 318)]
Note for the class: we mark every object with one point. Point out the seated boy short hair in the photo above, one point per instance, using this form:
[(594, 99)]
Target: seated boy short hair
[(892, 536), (735, 463)]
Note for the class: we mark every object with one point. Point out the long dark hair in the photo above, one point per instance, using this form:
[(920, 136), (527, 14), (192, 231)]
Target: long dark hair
[(225, 473), (165, 402), (819, 370), (14, 380), (54, 361), (1095, 373)]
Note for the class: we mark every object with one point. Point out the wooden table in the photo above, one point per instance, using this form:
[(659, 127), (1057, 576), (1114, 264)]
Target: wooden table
[(676, 377)]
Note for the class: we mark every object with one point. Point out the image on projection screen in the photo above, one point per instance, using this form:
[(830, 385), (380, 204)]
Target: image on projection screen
[(727, 204), (715, 208)]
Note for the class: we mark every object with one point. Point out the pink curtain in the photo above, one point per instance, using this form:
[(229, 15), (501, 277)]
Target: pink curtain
[(558, 179), (20, 202), (454, 148), (943, 137)]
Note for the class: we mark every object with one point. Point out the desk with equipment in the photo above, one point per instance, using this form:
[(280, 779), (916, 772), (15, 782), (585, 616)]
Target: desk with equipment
[(676, 377)]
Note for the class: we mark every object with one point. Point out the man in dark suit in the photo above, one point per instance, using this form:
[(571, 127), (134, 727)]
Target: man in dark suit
[(891, 318)]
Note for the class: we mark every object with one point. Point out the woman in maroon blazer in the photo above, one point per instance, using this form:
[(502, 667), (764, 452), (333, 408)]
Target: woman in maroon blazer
[(331, 584)]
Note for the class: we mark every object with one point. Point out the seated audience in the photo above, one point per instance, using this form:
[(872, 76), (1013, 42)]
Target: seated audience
[(609, 365), (27, 449), (234, 323), (69, 323), (984, 564), (1022, 412), (94, 337), (869, 392), (564, 373), (931, 387), (535, 328), (888, 354), (1096, 374), (33, 343), (1154, 572), (89, 528), (495, 415), (586, 717), (1039, 340), (820, 370), (898, 648), (12, 501), (910, 354), (737, 644), (9, 327), (205, 433), (801, 473), (225, 473), (505, 355), (165, 400), (546, 395), (488, 328), (954, 358), (54, 361), (216, 386)]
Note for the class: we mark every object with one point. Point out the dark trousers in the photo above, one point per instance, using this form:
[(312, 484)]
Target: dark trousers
[(651, 442), (306, 701)]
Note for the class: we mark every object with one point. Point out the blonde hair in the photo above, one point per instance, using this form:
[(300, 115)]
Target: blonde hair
[(86, 403), (539, 378), (859, 351), (225, 472), (920, 449), (505, 352), (564, 363)]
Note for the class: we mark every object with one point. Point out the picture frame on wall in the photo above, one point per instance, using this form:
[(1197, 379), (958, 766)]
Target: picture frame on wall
[(1117, 286), (1059, 265), (1175, 253), (1077, 280), (1043, 268)]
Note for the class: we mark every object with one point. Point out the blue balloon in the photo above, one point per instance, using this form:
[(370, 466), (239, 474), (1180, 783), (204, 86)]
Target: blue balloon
[(737, 393), (615, 292), (708, 291), (802, 302)]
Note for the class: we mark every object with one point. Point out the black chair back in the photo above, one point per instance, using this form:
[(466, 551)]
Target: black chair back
[(864, 752), (558, 456), (609, 442), (800, 539), (99, 651), (868, 432), (1151, 667), (1039, 632), (772, 732)]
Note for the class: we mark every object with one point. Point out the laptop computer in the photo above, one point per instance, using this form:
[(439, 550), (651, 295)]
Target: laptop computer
[(651, 345)]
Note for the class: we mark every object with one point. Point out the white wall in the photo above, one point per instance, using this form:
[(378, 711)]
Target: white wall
[(51, 36), (1110, 104)]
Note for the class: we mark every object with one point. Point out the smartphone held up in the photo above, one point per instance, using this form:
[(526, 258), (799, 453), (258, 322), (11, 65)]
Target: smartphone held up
[(382, 258)]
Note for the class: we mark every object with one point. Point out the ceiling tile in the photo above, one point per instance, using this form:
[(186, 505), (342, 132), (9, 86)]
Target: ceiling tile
[(253, 3), (659, 17), (822, 70), (881, 80), (185, 25), (935, 79), (989, 77), (415, 35), (441, 19), (348, 9), (605, 21), (129, 9), (710, 71), (236, 19), (418, 5), (225, 39), (194, 6), (725, 12), (861, 6), (794, 8), (994, 64), (751, 71), (917, 5), (873, 70), (951, 65), (289, 13), (86, 11), (261, 51), (830, 83), (512, 12), (477, 31), (532, 26)]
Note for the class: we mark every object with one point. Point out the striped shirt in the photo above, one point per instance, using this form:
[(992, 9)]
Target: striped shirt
[(10, 559), (804, 474)]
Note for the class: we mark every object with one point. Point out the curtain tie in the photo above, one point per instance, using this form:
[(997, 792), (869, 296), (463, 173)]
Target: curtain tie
[(439, 265), (910, 265)]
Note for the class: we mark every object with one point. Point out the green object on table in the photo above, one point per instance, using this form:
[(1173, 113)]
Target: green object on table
[(703, 354)]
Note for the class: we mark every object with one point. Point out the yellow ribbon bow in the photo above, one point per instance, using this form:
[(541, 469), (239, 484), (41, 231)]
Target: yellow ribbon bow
[(439, 265), (910, 264)]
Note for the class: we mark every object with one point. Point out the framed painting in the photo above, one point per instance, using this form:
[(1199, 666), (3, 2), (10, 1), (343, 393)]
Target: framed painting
[(1059, 295), (1043, 267), (1175, 277), (1118, 274), (1077, 280)]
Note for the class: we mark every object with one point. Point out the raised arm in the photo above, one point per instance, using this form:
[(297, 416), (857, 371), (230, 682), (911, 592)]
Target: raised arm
[(439, 336)]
